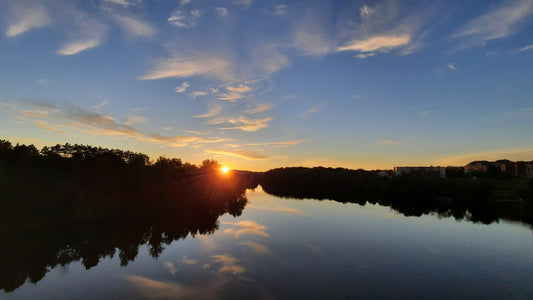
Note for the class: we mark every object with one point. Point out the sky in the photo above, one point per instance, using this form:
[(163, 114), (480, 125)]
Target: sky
[(264, 84)]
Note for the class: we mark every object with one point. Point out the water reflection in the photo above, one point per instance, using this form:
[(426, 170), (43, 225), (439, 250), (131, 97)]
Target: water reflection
[(108, 218), (104, 218)]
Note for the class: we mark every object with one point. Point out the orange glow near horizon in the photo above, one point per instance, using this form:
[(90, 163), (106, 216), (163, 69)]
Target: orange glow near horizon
[(224, 169)]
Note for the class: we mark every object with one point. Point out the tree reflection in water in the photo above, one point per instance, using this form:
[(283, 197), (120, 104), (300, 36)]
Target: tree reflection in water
[(50, 221)]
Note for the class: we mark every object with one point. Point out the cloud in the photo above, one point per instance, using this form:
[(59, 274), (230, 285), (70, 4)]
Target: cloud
[(199, 65), (244, 3), (256, 247), (188, 261), (280, 9), (312, 110), (134, 27), (102, 104), (247, 227), (198, 94), (133, 119), (92, 33), (98, 124), (247, 155), (526, 48), (426, 113), (163, 290), (365, 55), (235, 92), (366, 11), (27, 17), (280, 144), (451, 67), (387, 142), (171, 268), (243, 88), (183, 19), (193, 132), (289, 210), (221, 11), (259, 108), (182, 88), (248, 124), (44, 125), (499, 22), (229, 264), (124, 3), (214, 110), (78, 46), (185, 2), (311, 41), (381, 43)]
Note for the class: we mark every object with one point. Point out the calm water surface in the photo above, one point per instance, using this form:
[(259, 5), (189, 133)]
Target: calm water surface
[(286, 248)]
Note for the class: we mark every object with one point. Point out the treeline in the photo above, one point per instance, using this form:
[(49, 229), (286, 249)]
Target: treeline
[(94, 155), (481, 200), (80, 203)]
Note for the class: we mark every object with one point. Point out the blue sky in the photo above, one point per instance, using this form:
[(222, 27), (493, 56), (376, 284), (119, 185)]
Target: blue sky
[(263, 84)]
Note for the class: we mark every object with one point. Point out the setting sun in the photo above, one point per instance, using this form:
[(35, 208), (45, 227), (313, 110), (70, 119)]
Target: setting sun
[(225, 169)]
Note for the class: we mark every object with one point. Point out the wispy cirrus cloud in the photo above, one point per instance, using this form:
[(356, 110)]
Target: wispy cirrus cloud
[(259, 108), (182, 66), (312, 110), (182, 88), (498, 22), (196, 94), (70, 117), (526, 48), (289, 210), (100, 105), (134, 26), (244, 3), (91, 33), (245, 124), (193, 132), (243, 154), (235, 92), (135, 119), (124, 3), (214, 110), (184, 19), (451, 67), (163, 290), (280, 9), (381, 43), (26, 16), (256, 247), (221, 11), (278, 144)]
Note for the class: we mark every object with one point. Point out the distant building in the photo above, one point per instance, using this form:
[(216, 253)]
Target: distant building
[(477, 166), (421, 171), (521, 169)]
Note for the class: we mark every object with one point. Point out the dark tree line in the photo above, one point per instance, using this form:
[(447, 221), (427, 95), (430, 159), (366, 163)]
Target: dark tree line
[(80, 203), (481, 200)]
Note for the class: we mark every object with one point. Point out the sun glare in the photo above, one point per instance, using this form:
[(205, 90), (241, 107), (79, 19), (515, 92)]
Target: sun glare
[(225, 169)]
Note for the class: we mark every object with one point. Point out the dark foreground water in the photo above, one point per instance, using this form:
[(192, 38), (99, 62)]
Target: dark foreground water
[(307, 249)]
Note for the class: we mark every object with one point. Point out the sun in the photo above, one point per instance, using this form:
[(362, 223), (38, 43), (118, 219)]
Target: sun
[(225, 169)]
